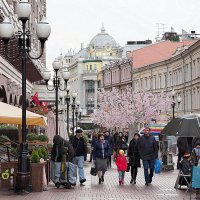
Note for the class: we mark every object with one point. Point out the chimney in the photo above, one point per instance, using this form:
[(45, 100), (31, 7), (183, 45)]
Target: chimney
[(82, 46)]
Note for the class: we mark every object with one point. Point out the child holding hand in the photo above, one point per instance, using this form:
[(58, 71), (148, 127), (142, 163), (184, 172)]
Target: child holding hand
[(122, 164)]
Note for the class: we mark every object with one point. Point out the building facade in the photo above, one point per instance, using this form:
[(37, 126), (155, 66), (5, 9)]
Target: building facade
[(85, 67), (10, 69), (162, 66)]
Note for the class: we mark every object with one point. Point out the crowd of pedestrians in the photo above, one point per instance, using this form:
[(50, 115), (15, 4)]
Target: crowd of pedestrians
[(107, 147)]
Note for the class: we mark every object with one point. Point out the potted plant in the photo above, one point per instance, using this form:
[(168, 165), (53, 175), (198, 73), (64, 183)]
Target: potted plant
[(31, 137), (36, 140), (35, 158), (37, 168)]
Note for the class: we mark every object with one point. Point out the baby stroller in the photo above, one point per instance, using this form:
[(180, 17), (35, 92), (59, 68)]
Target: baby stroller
[(62, 172)]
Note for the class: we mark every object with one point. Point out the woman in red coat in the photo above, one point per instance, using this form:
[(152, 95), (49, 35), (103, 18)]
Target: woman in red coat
[(121, 163)]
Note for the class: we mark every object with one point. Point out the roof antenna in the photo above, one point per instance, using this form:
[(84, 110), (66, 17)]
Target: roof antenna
[(103, 30)]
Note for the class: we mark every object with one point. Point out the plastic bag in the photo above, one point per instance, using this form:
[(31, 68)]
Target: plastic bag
[(158, 165)]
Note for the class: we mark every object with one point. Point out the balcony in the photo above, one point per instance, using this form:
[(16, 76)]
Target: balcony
[(90, 75)]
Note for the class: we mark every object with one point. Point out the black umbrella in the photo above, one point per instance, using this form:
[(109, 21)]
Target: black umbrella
[(186, 126)]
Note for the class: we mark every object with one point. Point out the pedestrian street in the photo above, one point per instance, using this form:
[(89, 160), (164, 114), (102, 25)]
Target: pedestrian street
[(162, 188)]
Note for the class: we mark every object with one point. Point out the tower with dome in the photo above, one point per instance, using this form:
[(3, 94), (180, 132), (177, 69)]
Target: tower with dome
[(85, 67)]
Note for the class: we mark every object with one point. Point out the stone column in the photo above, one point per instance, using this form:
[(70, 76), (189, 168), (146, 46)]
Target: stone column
[(95, 94)]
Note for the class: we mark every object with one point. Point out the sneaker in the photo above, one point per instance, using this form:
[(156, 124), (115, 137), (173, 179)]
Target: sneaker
[(99, 180), (82, 180), (146, 184), (134, 181), (131, 181), (102, 178), (120, 182)]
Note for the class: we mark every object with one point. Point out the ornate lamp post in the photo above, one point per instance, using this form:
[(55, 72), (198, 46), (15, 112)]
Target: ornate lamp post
[(80, 112), (174, 103), (43, 30), (76, 112), (74, 95), (56, 83), (67, 99)]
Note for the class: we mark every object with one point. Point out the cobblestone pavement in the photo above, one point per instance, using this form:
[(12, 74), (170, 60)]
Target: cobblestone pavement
[(162, 188)]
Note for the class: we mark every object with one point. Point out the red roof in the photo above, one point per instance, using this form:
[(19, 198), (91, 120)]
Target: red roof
[(157, 52)]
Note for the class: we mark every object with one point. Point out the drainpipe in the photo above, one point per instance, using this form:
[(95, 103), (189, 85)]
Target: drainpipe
[(184, 82), (191, 83)]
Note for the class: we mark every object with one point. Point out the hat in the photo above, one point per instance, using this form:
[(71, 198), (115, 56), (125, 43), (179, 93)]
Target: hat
[(186, 155), (121, 152)]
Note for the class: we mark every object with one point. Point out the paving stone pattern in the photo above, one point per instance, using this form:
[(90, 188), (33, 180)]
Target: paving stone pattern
[(162, 188)]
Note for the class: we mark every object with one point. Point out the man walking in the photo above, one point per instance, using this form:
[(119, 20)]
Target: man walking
[(80, 148), (148, 150)]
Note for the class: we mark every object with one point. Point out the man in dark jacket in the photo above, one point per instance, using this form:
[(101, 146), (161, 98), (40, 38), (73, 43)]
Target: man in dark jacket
[(148, 150), (80, 148)]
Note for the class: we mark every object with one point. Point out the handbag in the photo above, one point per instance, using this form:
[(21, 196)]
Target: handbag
[(93, 170)]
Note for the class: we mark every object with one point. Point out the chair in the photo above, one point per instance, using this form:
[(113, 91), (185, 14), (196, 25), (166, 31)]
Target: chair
[(183, 179)]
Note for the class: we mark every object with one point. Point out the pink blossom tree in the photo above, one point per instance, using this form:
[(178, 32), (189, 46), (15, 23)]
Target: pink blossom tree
[(121, 109)]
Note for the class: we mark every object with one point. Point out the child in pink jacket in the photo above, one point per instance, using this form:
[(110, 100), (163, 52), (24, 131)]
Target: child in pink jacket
[(122, 164)]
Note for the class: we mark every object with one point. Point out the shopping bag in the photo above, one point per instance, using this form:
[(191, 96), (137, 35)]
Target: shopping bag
[(93, 170), (72, 173), (158, 166)]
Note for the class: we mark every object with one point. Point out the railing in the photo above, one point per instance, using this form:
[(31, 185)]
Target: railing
[(89, 71), (6, 149)]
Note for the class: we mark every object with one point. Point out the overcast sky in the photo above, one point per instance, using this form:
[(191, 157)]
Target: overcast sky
[(77, 21)]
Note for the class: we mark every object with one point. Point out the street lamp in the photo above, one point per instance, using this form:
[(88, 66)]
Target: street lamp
[(174, 103), (80, 112), (56, 83), (74, 95), (43, 30), (67, 99), (76, 112)]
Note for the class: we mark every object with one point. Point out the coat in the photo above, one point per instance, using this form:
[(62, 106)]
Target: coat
[(121, 163), (148, 148), (182, 144), (101, 150), (61, 147), (133, 154), (111, 144)]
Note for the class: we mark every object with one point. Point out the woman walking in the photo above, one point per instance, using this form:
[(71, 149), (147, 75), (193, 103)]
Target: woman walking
[(134, 157), (100, 156)]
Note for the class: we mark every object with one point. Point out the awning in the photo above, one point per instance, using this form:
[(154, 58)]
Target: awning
[(13, 115)]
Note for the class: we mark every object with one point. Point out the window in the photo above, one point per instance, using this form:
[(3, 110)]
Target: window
[(165, 80), (90, 67), (95, 66), (141, 83), (146, 83), (160, 81)]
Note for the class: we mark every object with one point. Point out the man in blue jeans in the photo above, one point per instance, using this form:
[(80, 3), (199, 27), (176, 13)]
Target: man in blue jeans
[(80, 148), (148, 150)]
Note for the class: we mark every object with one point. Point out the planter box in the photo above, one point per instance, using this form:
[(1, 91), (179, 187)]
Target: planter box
[(37, 176), (37, 143)]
